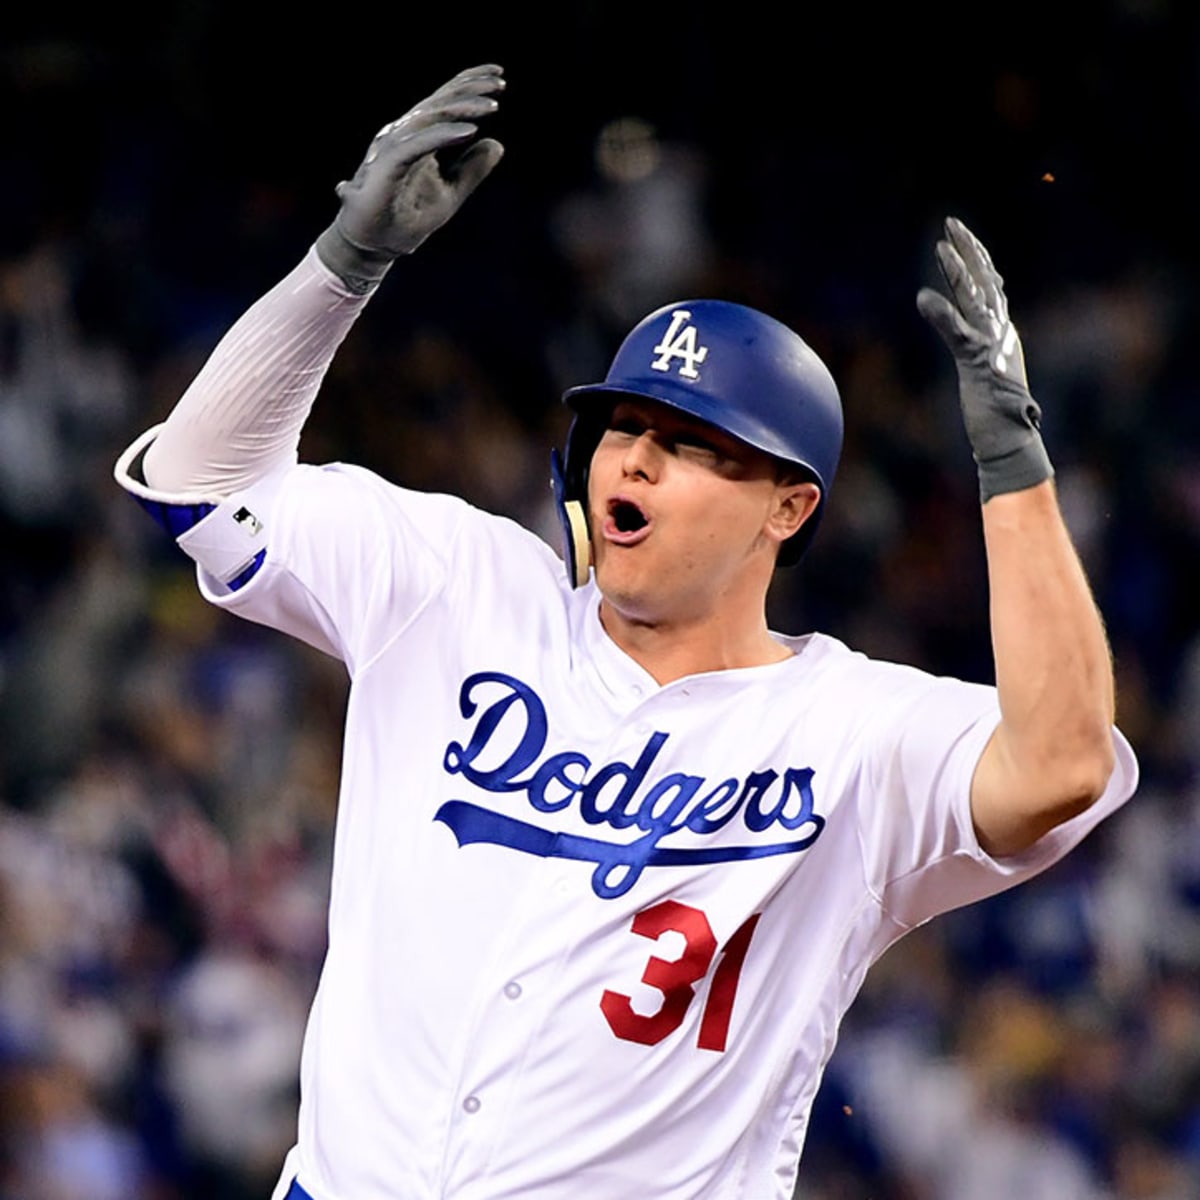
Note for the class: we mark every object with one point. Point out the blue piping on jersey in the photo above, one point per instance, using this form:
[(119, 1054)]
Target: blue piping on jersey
[(178, 519)]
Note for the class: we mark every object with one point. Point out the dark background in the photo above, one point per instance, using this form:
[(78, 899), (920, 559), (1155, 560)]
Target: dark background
[(167, 776)]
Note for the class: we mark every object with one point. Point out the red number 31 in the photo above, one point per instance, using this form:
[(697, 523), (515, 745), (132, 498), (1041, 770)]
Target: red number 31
[(675, 978)]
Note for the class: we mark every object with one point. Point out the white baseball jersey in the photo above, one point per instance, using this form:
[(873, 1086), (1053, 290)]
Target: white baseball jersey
[(589, 936)]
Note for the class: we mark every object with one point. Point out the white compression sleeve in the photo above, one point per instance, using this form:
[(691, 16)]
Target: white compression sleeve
[(241, 417)]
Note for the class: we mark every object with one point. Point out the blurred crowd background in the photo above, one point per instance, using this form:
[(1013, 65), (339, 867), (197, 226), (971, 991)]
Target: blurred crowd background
[(168, 775)]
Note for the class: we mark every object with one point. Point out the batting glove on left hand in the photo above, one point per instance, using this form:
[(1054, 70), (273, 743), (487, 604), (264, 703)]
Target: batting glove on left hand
[(1002, 418), (401, 191)]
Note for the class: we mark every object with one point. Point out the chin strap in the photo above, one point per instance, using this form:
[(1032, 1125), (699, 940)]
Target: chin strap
[(577, 548)]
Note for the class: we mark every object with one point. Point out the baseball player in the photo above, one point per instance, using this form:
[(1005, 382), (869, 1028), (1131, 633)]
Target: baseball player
[(612, 857)]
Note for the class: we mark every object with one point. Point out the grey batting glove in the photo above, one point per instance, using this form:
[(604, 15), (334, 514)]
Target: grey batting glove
[(407, 185), (1003, 420)]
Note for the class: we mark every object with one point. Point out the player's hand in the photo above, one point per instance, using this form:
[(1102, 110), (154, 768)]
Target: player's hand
[(416, 173), (1002, 418)]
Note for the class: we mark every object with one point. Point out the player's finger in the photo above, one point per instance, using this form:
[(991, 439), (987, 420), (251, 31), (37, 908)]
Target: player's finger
[(968, 244), (963, 289), (482, 71), (455, 108), (481, 89), (460, 87), (489, 77), (947, 320), (392, 155), (979, 263), (468, 96), (470, 169)]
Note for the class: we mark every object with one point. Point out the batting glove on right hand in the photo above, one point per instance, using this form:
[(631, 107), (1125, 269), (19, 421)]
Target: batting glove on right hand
[(401, 191), (1003, 420)]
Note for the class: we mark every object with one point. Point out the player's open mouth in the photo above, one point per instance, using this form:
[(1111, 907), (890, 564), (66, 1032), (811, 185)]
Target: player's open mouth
[(625, 523)]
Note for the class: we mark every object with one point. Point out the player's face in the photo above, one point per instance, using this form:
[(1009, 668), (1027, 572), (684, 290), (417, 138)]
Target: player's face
[(684, 517)]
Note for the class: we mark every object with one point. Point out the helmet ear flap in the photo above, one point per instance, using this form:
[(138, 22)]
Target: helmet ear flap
[(576, 541), (569, 478)]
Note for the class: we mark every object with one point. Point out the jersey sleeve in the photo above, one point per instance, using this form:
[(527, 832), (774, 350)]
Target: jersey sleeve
[(241, 417), (350, 559), (920, 850)]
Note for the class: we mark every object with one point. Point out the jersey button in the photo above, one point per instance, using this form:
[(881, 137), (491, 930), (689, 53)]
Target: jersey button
[(512, 990), (472, 1104)]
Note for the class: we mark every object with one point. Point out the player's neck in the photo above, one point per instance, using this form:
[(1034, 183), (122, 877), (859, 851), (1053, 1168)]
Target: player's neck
[(670, 649)]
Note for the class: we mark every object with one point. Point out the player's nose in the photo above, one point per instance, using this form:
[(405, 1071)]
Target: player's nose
[(643, 456)]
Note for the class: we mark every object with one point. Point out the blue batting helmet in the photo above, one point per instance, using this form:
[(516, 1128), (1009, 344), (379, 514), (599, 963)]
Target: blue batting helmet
[(732, 366)]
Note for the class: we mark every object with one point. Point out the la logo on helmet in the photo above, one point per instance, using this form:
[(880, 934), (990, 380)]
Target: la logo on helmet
[(680, 342)]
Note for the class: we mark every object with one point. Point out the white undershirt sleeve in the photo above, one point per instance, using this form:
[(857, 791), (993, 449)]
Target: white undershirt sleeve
[(241, 418)]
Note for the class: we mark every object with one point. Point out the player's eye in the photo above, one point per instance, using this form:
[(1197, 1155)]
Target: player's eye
[(627, 424), (697, 446)]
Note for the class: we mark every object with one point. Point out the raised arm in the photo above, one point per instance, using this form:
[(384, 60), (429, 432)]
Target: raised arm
[(241, 418), (1052, 754)]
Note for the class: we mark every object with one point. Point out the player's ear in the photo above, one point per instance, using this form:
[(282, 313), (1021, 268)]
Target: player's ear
[(795, 501)]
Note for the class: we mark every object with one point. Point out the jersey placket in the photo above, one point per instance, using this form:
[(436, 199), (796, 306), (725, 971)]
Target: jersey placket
[(523, 985), (515, 995)]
